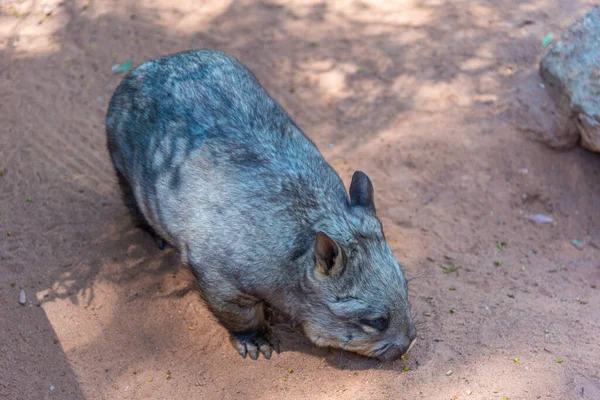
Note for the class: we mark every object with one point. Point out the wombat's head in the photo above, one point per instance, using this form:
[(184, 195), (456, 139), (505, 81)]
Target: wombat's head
[(356, 291)]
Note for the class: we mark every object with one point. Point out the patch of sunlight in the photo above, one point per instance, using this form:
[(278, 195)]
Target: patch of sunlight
[(334, 82), (332, 77), (66, 314), (31, 32), (467, 34), (183, 17), (406, 13), (487, 50), (8, 24), (486, 98), (433, 3), (476, 63), (496, 377), (482, 15), (405, 82), (409, 35), (485, 378), (438, 96), (531, 6)]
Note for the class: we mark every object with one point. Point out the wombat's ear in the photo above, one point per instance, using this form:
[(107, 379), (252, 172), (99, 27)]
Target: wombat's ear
[(328, 255), (361, 191)]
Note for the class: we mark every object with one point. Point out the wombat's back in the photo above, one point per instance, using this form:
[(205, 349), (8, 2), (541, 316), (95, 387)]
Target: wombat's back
[(193, 96), (207, 151)]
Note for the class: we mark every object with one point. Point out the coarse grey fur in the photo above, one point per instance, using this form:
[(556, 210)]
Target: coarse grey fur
[(210, 162)]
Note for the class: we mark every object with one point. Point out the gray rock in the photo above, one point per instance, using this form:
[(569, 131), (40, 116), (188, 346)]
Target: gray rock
[(571, 70), (535, 113)]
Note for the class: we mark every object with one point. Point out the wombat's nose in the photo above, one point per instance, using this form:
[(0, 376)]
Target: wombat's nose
[(396, 351)]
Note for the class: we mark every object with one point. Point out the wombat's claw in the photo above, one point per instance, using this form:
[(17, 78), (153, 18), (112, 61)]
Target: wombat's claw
[(255, 343)]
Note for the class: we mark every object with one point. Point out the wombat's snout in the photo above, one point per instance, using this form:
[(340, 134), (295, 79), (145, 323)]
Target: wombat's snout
[(396, 350)]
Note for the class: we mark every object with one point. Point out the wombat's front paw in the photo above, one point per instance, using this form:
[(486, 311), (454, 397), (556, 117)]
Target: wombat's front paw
[(253, 343)]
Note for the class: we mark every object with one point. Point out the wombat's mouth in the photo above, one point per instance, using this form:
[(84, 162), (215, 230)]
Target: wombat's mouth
[(393, 351), (387, 352)]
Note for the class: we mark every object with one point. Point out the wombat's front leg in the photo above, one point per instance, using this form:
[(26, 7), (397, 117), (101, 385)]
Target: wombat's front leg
[(244, 317)]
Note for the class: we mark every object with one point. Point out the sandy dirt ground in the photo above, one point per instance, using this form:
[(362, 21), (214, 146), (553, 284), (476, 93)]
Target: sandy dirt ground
[(420, 94)]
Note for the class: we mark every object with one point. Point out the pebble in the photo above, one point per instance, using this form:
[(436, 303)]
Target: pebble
[(449, 373), (577, 243), (469, 392), (22, 297), (540, 218)]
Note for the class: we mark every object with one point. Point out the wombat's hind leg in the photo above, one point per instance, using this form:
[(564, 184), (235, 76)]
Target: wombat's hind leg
[(138, 217)]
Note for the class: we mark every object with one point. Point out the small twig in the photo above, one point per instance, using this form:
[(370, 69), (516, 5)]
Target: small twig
[(416, 277)]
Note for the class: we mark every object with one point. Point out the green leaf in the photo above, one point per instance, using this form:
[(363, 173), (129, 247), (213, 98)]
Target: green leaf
[(119, 69)]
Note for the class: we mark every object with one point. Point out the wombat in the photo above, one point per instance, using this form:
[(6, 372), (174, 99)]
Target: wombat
[(209, 162)]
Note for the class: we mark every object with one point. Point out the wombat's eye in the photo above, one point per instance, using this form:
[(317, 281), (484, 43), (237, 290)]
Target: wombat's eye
[(378, 323)]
